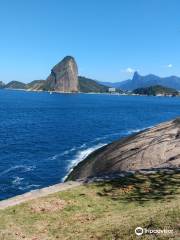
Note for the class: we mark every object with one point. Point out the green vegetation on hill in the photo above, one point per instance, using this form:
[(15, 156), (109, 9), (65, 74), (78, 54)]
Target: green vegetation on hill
[(88, 85), (99, 211), (36, 84), (155, 90), (16, 85), (85, 85)]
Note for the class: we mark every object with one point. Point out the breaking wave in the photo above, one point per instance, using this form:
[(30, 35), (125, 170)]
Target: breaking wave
[(23, 168), (80, 156), (66, 152), (17, 181), (120, 134), (137, 130), (27, 187)]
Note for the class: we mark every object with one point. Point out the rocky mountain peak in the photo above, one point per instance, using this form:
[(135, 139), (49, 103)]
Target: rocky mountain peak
[(136, 76), (64, 76), (65, 60)]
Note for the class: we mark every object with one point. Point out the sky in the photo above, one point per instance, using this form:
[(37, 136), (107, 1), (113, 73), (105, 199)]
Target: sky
[(109, 39)]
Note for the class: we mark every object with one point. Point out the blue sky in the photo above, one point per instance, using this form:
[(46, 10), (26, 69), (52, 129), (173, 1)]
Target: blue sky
[(108, 38)]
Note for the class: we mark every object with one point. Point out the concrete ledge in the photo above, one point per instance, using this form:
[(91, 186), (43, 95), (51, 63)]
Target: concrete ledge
[(38, 193)]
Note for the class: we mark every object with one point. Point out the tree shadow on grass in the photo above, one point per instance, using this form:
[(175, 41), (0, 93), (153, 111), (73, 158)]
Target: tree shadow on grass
[(142, 187)]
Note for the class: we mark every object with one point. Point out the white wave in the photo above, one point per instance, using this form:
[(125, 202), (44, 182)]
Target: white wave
[(17, 180), (120, 134), (29, 186), (82, 146), (66, 152), (54, 157), (80, 156), (29, 168), (23, 167), (99, 138), (105, 137), (61, 154), (137, 130)]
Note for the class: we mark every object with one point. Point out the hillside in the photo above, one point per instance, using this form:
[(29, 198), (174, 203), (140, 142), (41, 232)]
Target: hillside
[(36, 85), (15, 85), (155, 90), (88, 85), (99, 211)]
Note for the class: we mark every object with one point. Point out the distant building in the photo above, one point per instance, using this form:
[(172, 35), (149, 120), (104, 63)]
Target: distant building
[(111, 90)]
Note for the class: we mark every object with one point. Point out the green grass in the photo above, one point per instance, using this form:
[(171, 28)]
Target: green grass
[(108, 210)]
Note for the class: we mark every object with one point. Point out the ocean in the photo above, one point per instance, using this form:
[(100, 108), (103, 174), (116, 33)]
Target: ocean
[(42, 135)]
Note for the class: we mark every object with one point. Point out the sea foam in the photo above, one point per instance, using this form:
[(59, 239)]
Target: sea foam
[(23, 168), (17, 181), (80, 156)]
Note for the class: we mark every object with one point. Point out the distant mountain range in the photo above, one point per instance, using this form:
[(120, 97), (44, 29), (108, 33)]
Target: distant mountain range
[(139, 81), (114, 84), (64, 78)]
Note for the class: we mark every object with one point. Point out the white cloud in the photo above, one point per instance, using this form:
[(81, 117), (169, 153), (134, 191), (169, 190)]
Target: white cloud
[(169, 65), (130, 70)]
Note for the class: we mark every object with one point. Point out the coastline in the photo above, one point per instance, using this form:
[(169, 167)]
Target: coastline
[(42, 192), (32, 194), (90, 93), (156, 147), (67, 185)]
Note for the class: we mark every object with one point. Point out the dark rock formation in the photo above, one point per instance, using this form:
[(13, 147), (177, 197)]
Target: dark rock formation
[(158, 147), (64, 76)]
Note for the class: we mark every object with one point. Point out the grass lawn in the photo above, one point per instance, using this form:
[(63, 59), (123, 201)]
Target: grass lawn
[(106, 210)]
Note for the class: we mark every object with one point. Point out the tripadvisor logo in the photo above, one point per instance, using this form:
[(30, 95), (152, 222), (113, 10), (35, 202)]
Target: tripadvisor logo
[(139, 231)]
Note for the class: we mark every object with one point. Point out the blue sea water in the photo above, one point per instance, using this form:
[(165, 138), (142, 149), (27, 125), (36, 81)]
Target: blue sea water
[(43, 135)]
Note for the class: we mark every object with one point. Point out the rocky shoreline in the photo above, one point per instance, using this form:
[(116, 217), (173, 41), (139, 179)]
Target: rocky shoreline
[(154, 148)]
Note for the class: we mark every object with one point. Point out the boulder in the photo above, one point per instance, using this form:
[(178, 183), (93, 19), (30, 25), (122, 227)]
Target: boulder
[(154, 148)]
